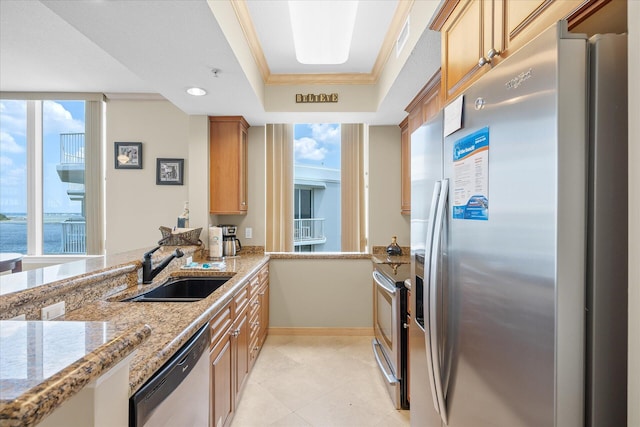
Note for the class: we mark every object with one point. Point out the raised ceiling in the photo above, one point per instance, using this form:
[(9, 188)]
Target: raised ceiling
[(158, 48)]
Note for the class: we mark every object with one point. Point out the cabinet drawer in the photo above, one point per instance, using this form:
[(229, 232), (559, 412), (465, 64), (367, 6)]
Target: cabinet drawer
[(264, 274), (254, 349), (254, 325), (220, 324), (254, 306), (254, 284), (241, 299)]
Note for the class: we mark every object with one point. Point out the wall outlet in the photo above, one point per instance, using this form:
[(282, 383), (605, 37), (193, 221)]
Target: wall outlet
[(248, 233), (189, 260), (52, 311)]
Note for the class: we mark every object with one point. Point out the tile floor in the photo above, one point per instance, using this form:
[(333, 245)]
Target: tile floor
[(316, 381)]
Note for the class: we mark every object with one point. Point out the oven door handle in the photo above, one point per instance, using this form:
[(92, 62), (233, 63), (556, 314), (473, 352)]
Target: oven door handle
[(391, 379), (384, 283)]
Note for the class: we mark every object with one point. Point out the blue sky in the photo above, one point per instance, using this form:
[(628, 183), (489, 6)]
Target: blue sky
[(58, 117), (317, 144)]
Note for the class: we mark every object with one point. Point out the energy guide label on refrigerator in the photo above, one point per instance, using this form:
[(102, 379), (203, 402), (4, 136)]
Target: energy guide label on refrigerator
[(471, 176)]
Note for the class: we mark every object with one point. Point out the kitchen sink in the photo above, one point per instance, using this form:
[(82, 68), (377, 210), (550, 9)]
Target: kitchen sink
[(186, 289)]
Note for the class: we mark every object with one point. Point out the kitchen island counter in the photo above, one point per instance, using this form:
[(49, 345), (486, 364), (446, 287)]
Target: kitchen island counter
[(161, 327), (42, 364), (172, 323)]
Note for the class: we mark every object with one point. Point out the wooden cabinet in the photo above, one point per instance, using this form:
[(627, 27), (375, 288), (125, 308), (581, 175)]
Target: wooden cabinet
[(228, 141), (240, 354), (478, 34), (238, 332), (405, 168), (221, 369), (258, 313), (423, 108), (471, 31)]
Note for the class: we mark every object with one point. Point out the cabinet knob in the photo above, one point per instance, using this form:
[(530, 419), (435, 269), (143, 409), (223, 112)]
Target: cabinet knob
[(405, 325), (487, 59)]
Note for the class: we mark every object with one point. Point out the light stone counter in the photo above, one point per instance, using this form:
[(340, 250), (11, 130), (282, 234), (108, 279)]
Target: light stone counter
[(42, 364), (161, 328), (172, 323)]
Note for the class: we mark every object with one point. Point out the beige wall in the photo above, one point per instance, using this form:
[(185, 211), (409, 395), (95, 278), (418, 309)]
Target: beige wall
[(135, 205), (323, 293)]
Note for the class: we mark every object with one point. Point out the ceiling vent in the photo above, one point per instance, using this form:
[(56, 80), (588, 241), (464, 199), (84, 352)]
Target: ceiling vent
[(403, 37)]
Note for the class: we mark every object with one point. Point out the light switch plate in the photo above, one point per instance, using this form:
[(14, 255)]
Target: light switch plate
[(52, 311), (248, 233)]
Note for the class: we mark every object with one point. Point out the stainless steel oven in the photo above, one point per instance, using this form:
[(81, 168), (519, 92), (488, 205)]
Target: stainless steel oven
[(390, 334)]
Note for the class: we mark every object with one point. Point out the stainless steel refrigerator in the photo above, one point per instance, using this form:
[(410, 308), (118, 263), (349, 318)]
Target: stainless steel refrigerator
[(519, 243)]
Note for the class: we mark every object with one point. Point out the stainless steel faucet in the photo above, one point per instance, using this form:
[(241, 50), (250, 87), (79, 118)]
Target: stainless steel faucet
[(148, 273)]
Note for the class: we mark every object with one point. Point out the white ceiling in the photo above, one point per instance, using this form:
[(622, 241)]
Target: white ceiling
[(162, 47)]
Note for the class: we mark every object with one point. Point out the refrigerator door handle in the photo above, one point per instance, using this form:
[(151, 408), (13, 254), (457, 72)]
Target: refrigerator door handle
[(427, 285), (433, 297)]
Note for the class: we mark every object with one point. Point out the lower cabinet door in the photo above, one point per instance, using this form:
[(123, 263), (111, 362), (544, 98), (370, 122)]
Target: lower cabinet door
[(241, 350), (221, 384)]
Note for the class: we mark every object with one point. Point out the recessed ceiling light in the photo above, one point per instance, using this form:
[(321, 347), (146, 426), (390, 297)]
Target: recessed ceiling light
[(196, 91), (322, 30)]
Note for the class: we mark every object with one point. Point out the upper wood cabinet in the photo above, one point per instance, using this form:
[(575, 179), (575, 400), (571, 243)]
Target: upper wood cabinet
[(423, 108), (228, 165), (469, 33), (405, 168), (479, 34)]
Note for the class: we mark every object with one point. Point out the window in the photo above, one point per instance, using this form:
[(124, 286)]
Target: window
[(46, 190), (325, 166), (316, 218)]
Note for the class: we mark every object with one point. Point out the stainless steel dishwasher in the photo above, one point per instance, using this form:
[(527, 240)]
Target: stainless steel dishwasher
[(178, 394)]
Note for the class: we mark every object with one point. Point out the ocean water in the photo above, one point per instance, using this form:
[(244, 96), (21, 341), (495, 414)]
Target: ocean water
[(13, 237)]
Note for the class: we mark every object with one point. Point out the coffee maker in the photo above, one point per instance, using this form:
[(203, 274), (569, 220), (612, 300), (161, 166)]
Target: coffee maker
[(230, 243)]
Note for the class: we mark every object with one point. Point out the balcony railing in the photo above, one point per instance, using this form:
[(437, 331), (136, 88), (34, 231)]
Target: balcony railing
[(71, 148), (74, 237), (308, 231)]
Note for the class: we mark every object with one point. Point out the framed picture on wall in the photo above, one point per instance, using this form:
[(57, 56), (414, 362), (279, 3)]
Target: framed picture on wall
[(128, 155), (169, 171)]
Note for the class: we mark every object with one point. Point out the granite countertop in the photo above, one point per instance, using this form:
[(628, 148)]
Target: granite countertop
[(379, 256), (83, 270), (42, 364), (171, 323), (155, 330), (386, 259)]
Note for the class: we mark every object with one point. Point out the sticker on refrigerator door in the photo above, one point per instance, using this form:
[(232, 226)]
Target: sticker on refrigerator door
[(471, 176)]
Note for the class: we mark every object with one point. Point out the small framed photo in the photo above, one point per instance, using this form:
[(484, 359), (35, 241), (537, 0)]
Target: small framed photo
[(169, 171), (128, 155)]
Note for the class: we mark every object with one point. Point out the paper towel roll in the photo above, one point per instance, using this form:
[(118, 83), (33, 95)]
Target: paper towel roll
[(215, 242)]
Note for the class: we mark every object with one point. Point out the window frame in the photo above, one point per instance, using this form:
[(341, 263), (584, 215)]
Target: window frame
[(94, 183)]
